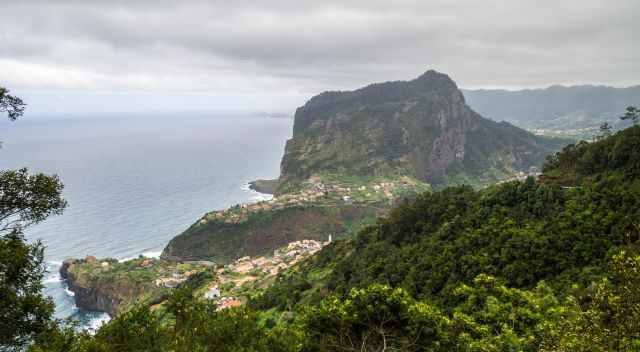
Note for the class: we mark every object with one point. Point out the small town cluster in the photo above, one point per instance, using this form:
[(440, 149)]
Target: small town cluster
[(315, 192), (232, 277)]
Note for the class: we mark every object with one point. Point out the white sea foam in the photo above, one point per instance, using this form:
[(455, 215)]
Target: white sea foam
[(52, 269), (95, 323), (69, 292), (155, 255), (53, 265), (52, 279), (126, 259), (150, 254)]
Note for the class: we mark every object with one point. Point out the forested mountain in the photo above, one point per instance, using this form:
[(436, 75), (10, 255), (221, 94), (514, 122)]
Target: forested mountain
[(576, 110), (536, 265)]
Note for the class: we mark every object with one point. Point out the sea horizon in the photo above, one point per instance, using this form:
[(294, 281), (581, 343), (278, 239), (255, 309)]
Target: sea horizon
[(134, 182)]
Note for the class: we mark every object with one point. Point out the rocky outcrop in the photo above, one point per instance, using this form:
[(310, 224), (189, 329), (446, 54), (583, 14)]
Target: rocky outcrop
[(264, 186), (93, 298), (420, 128), (96, 287), (88, 296)]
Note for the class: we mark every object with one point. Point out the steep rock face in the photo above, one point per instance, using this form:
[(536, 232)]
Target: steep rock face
[(86, 295), (99, 291), (421, 128)]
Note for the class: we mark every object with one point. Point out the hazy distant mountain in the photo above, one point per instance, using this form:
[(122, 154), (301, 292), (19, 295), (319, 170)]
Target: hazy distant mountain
[(575, 110), (420, 128)]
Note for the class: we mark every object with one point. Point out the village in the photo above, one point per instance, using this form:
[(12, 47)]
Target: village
[(231, 280), (230, 285), (317, 191)]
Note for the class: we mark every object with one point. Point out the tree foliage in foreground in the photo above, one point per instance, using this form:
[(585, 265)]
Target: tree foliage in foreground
[(11, 105), (632, 113), (24, 311), (186, 325), (489, 316), (376, 318), (25, 199)]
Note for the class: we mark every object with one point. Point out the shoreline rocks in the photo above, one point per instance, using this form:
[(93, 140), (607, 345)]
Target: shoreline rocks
[(264, 186)]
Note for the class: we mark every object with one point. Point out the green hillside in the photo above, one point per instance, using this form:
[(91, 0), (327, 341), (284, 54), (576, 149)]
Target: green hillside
[(549, 265), (562, 229)]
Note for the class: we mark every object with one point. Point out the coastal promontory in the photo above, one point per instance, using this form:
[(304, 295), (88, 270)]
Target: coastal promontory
[(353, 157)]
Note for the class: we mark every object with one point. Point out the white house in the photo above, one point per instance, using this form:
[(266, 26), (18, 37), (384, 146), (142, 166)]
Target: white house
[(213, 292)]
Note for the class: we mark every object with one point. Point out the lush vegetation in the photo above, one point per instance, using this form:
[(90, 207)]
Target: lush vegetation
[(541, 265), (25, 199), (266, 230), (550, 265), (489, 316), (562, 230)]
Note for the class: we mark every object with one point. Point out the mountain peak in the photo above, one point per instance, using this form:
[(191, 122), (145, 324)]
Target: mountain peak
[(434, 78), (433, 74), (420, 128)]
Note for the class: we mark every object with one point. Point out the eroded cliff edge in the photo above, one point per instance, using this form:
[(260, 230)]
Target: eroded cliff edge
[(108, 286)]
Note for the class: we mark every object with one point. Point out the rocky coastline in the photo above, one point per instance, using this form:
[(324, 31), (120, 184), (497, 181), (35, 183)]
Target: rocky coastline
[(88, 297), (264, 186), (353, 156)]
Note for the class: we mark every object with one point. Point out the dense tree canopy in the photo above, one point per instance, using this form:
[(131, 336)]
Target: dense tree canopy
[(488, 316), (23, 309), (563, 230)]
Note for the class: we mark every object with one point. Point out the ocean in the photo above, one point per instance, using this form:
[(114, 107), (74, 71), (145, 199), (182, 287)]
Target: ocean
[(134, 181)]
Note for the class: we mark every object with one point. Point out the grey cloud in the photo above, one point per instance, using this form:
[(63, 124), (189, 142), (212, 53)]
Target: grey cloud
[(303, 46)]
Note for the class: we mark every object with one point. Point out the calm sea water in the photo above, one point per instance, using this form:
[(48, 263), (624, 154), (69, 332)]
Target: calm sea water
[(134, 181)]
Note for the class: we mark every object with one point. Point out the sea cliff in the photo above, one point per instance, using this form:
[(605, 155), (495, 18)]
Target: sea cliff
[(110, 286)]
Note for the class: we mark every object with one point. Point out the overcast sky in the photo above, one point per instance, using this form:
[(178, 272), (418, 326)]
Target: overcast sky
[(275, 54)]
